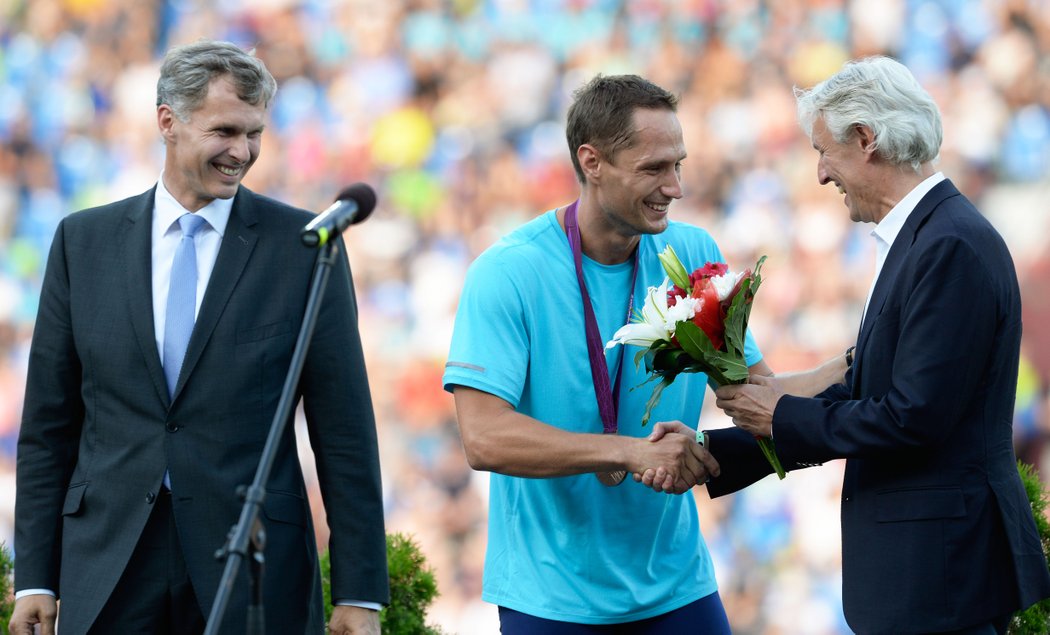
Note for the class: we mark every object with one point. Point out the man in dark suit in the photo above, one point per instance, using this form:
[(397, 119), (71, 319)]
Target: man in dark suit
[(937, 534), (159, 354)]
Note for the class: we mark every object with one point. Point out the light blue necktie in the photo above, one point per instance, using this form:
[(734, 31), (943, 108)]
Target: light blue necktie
[(182, 300)]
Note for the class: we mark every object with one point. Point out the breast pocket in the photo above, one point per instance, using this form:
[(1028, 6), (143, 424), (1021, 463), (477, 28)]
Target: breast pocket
[(266, 331)]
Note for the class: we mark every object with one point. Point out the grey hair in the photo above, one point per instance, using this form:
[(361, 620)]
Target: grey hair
[(188, 70), (881, 94)]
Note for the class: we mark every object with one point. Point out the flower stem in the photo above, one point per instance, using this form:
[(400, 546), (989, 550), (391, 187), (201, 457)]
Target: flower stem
[(769, 450)]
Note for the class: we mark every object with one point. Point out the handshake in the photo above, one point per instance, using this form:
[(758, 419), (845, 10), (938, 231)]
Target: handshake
[(675, 457)]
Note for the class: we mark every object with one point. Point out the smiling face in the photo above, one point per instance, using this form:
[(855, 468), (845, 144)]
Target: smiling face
[(635, 187), (207, 156), (850, 167)]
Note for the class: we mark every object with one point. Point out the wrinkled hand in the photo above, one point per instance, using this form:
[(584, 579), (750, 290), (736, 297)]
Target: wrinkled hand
[(696, 468), (353, 620), (34, 609), (751, 405)]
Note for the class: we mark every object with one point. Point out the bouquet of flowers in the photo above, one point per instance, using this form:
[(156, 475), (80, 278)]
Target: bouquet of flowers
[(695, 323)]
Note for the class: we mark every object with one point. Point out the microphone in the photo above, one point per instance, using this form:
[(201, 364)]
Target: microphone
[(353, 205)]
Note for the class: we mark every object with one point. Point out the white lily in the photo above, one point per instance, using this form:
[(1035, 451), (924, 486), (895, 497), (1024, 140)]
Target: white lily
[(657, 321)]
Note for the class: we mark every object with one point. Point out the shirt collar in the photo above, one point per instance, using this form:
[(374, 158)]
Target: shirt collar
[(888, 228), (168, 210)]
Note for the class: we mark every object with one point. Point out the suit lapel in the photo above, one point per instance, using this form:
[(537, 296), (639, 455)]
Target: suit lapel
[(137, 251), (237, 245), (898, 254)]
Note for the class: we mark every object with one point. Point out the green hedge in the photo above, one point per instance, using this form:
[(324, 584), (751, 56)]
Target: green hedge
[(7, 583), (412, 588), (1036, 619)]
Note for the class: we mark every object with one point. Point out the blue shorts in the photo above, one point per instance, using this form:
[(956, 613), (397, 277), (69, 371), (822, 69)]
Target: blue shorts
[(706, 616)]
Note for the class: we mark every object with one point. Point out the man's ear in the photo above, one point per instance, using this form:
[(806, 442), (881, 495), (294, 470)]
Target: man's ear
[(166, 122), (590, 161), (865, 137)]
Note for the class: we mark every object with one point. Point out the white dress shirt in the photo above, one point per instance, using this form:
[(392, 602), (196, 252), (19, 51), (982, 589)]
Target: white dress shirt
[(888, 228), (166, 235)]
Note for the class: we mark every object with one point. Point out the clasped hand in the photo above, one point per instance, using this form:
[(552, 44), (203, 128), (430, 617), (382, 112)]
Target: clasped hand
[(751, 405), (680, 462)]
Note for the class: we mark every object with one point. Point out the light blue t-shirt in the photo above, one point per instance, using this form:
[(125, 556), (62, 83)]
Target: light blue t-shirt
[(570, 548)]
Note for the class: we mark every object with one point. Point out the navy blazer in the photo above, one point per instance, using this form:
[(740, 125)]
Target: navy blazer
[(99, 430), (937, 533)]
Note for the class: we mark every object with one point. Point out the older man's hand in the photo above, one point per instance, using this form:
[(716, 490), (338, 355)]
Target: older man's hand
[(751, 405)]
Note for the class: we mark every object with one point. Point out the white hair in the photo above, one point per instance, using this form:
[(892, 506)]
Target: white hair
[(881, 94)]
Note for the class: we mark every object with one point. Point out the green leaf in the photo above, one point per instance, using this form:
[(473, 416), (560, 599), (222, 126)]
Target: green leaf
[(739, 312), (736, 320), (640, 355), (693, 340), (649, 353), (723, 368), (655, 399)]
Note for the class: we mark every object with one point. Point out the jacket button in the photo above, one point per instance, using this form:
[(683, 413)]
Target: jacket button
[(171, 427), (150, 497)]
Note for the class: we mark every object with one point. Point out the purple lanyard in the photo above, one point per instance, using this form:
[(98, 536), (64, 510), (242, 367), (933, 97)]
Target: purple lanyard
[(608, 399)]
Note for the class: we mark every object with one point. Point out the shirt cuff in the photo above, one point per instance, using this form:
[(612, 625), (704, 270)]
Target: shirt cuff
[(375, 606), (24, 592)]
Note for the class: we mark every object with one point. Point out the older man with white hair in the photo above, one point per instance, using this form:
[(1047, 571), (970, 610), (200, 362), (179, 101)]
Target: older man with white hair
[(937, 534)]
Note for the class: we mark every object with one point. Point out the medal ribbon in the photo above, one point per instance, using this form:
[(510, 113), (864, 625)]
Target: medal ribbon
[(608, 398)]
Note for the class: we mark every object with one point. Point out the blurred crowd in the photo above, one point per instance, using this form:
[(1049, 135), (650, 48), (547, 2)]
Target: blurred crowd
[(454, 111)]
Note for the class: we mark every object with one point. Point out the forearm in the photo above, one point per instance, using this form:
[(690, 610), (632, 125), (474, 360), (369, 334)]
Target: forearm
[(808, 383), (518, 445)]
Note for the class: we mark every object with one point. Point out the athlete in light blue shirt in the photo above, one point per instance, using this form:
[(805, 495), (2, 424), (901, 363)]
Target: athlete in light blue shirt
[(569, 548), (563, 548)]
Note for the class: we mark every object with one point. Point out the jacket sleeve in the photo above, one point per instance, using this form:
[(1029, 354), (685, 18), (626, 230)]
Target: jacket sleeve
[(49, 436), (342, 427), (740, 459)]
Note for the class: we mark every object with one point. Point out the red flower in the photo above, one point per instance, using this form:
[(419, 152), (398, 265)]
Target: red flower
[(709, 316), (673, 294), (709, 270)]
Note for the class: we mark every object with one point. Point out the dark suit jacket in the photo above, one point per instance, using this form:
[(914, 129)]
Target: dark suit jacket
[(98, 428), (937, 533)]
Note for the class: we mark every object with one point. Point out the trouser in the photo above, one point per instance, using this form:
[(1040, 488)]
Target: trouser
[(705, 616), (154, 595)]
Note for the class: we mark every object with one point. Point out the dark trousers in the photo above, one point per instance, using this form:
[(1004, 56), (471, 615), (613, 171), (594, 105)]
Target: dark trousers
[(706, 616), (154, 595)]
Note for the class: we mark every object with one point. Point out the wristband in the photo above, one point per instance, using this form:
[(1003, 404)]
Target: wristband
[(701, 438)]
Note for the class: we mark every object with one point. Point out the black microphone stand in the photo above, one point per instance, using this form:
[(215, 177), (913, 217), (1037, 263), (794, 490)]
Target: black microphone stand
[(248, 537)]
